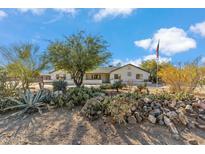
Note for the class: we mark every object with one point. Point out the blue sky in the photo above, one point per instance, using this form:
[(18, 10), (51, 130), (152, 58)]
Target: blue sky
[(132, 33)]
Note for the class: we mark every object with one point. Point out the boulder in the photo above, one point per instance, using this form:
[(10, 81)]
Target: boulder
[(189, 108), (161, 122), (183, 118), (145, 108), (133, 108), (201, 116), (172, 104), (147, 100), (172, 115), (168, 122), (132, 120), (193, 142), (138, 117), (155, 112), (181, 110), (152, 119), (176, 136)]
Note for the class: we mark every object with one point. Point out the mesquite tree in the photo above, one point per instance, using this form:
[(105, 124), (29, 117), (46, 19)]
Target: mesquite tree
[(77, 54)]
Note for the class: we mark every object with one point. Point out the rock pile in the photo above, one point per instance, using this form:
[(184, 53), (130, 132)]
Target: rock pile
[(169, 113), (165, 112)]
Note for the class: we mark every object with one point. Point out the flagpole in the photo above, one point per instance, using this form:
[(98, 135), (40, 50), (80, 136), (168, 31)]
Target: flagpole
[(157, 60)]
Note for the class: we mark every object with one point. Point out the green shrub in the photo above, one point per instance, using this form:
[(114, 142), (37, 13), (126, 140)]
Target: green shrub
[(7, 88), (106, 86), (59, 99), (95, 107), (60, 85), (79, 95), (118, 85), (183, 96), (142, 88), (119, 106)]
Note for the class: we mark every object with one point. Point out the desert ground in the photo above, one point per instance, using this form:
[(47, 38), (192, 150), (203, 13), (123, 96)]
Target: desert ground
[(63, 126)]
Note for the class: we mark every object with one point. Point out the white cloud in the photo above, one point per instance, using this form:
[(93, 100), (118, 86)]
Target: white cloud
[(138, 61), (112, 12), (135, 62), (143, 43), (32, 10), (198, 28), (172, 41), (3, 14), (203, 60), (37, 11), (69, 11), (153, 57)]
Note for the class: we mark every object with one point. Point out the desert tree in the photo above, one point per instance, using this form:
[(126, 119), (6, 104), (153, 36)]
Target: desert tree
[(183, 77), (23, 62), (151, 67), (77, 54)]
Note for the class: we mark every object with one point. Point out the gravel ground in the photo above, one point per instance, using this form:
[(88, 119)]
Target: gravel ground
[(60, 126)]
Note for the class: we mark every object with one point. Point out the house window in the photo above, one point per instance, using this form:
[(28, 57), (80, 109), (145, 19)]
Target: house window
[(63, 76), (116, 76), (96, 77), (129, 73), (57, 76), (139, 76)]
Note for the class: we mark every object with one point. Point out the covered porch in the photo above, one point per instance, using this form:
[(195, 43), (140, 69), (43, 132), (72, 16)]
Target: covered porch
[(104, 77)]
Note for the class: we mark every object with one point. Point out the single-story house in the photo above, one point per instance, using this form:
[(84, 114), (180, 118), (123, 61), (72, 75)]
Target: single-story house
[(129, 74)]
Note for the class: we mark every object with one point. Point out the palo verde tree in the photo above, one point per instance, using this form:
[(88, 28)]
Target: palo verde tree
[(77, 54), (23, 62), (151, 66)]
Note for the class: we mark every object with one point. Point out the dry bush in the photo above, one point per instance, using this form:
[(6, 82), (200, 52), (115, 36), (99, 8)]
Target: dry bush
[(183, 78)]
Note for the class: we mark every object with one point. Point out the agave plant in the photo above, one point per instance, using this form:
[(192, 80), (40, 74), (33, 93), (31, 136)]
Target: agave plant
[(29, 102)]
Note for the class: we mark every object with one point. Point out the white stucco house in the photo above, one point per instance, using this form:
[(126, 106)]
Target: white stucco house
[(128, 74)]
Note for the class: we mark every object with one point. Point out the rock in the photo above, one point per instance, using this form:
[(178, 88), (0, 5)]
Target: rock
[(138, 117), (202, 116), (181, 110), (191, 125), (172, 104), (160, 117), (147, 100), (132, 120), (161, 122), (133, 108), (155, 112), (168, 122), (166, 102), (99, 112), (183, 118), (200, 126), (152, 119), (145, 108), (202, 105), (193, 142), (176, 136), (189, 108), (172, 115), (158, 105)]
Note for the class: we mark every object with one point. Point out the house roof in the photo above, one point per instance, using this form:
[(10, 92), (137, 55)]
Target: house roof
[(108, 69), (131, 65), (103, 70)]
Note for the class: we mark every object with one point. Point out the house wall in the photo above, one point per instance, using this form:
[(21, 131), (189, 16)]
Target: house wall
[(123, 72), (70, 81)]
